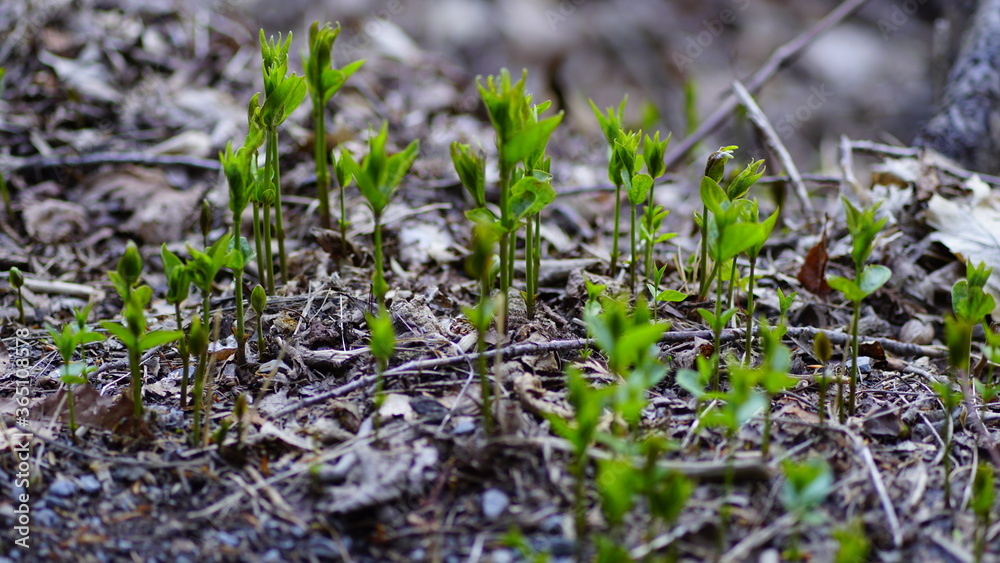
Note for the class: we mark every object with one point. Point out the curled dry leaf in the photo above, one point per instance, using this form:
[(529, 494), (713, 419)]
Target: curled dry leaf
[(812, 274)]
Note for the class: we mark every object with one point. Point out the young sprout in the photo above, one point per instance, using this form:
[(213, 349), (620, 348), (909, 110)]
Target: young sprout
[(852, 543), (807, 485), (823, 350), (653, 151), (137, 339), (480, 265), (958, 336), (611, 126), (983, 496), (204, 266), (73, 373), (714, 170), (382, 345), (178, 287), (323, 82), (521, 138), (239, 170), (258, 301), (868, 279), (282, 95), (17, 282), (198, 340), (128, 271), (752, 253), (342, 169), (378, 175), (727, 235)]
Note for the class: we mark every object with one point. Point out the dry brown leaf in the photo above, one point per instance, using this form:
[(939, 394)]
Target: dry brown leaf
[(812, 274)]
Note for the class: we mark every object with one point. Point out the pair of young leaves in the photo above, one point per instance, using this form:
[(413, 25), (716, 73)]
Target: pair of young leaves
[(625, 160), (521, 135), (734, 225), (529, 194), (863, 228)]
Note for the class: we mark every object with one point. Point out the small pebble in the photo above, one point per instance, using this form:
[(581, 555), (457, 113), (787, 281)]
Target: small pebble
[(495, 502), (62, 487), (464, 427), (90, 484), (916, 331)]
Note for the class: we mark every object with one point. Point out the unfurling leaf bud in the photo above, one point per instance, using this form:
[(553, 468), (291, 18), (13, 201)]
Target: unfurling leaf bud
[(258, 299), (16, 278), (130, 265)]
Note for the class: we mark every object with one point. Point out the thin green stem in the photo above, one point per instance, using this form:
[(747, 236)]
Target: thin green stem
[(133, 364), (751, 305), (717, 333), (241, 333), (632, 243), (182, 348), (258, 246), (322, 170), (529, 266), (199, 392), (854, 355), (268, 256), (617, 231), (505, 256), (650, 235), (379, 267), (484, 380), (704, 280), (279, 224)]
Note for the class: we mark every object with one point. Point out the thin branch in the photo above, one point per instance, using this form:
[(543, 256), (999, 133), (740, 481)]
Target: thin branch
[(780, 58), (773, 142), (17, 164)]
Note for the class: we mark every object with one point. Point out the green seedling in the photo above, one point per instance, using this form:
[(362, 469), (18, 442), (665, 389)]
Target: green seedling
[(198, 341), (342, 169), (773, 376), (471, 169), (588, 404), (323, 82), (258, 302), (282, 95), (728, 234), (378, 175), (178, 287), (241, 174), (767, 225), (611, 126), (823, 350), (715, 167), (521, 137), (73, 373), (17, 282), (204, 267), (784, 304), (983, 496), (137, 339), (958, 336), (381, 344), (529, 195), (627, 340), (665, 296), (480, 265), (807, 485), (126, 275), (970, 301), (863, 228), (637, 187), (653, 152), (852, 543)]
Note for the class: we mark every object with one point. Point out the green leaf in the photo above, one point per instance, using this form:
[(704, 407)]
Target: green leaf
[(846, 286), (741, 184), (157, 338), (639, 187), (382, 342), (671, 295), (471, 169), (712, 195), (529, 140), (736, 238), (121, 332), (872, 278)]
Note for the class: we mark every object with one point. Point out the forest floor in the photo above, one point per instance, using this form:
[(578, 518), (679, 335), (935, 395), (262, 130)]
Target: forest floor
[(111, 121)]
